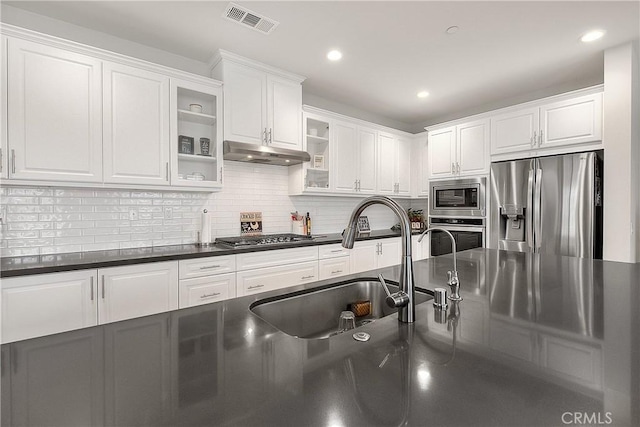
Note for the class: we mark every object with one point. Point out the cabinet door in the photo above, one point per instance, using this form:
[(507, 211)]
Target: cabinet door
[(390, 252), (55, 113), (43, 304), (442, 152), (58, 380), (136, 126), (572, 121), (387, 164), (403, 167), (346, 156), (137, 290), (420, 250), (245, 102), (205, 290), (334, 267), (473, 148), (364, 256), (423, 173), (366, 160), (284, 113), (3, 110), (514, 131), (137, 362)]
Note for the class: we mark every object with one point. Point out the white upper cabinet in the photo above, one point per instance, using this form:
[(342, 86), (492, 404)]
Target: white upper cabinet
[(422, 162), (442, 148), (366, 160), (55, 113), (355, 158), (284, 112), (196, 134), (460, 150), (262, 105), (3, 110), (394, 165), (136, 126), (569, 121), (514, 130)]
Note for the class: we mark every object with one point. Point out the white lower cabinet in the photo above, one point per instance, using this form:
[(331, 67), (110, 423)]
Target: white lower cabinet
[(270, 278), (137, 389), (137, 290), (56, 381), (372, 254), (334, 267), (205, 290), (44, 304), (420, 250)]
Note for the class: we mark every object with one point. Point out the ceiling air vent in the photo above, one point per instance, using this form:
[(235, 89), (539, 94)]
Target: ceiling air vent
[(244, 16)]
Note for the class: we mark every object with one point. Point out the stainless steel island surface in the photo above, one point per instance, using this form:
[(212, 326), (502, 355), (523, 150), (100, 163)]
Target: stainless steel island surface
[(537, 340)]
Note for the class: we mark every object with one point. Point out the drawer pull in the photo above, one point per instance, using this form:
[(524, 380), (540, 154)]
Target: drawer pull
[(215, 294), (209, 267), (337, 250), (307, 277), (336, 272), (255, 287)]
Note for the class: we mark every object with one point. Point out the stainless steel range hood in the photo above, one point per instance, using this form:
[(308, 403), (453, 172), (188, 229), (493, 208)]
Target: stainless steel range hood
[(263, 154)]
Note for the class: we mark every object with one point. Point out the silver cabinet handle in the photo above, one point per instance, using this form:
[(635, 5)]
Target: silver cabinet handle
[(540, 138), (255, 287), (1, 165), (307, 277), (167, 171), (264, 136), (91, 284), (531, 141), (336, 272), (458, 167), (336, 250), (270, 140), (13, 161), (355, 185), (220, 175), (453, 168), (358, 184), (103, 286), (209, 267), (535, 137), (213, 295)]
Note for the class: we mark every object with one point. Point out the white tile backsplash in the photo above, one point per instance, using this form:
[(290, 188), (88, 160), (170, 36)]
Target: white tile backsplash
[(60, 220)]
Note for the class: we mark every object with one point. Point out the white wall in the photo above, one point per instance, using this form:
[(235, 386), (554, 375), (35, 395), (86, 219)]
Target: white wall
[(56, 220), (621, 167)]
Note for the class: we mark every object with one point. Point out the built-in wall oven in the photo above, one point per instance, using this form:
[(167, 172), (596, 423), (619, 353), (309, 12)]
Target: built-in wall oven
[(459, 207)]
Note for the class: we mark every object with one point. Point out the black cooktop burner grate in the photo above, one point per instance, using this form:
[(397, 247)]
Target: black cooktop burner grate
[(262, 240)]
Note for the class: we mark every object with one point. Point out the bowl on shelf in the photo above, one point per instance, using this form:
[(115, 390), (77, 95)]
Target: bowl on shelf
[(196, 108)]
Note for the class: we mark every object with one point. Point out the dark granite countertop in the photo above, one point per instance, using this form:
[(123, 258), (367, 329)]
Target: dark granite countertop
[(538, 340), (39, 264)]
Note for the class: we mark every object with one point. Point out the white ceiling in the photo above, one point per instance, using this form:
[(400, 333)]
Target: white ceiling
[(504, 51)]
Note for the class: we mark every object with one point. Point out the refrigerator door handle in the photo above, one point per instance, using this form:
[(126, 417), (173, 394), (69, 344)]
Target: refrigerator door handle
[(530, 215), (538, 208)]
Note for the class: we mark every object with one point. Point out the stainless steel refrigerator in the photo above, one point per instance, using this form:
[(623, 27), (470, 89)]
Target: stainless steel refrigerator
[(549, 205)]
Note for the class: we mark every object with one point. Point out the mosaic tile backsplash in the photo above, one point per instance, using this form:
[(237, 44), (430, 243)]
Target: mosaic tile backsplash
[(45, 220)]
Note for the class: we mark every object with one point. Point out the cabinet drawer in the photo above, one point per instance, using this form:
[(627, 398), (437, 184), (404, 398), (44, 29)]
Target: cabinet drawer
[(205, 290), (332, 251), (267, 279), (200, 267), (333, 267), (272, 258)]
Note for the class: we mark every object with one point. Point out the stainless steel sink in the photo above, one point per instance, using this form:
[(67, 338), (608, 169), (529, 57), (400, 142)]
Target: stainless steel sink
[(314, 313)]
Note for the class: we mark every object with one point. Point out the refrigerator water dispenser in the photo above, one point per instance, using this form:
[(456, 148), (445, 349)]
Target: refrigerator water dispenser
[(513, 225)]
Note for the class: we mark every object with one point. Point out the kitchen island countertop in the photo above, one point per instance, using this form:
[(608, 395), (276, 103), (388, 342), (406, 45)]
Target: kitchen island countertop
[(536, 340)]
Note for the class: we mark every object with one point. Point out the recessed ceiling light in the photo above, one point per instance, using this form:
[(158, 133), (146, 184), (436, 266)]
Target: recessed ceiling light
[(592, 36), (423, 94), (453, 29), (249, 156), (334, 55)]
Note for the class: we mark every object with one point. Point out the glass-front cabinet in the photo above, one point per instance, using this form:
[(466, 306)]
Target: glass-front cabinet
[(196, 137), (316, 136)]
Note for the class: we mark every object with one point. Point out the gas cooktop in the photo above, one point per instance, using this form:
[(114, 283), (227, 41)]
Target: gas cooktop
[(271, 239)]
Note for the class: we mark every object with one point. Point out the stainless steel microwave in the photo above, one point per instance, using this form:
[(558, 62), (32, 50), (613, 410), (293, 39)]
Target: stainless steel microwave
[(458, 197)]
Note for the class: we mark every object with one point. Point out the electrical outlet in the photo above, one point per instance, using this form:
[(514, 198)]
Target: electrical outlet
[(168, 213), (133, 215)]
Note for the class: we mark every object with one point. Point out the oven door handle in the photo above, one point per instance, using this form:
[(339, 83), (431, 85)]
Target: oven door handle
[(471, 229)]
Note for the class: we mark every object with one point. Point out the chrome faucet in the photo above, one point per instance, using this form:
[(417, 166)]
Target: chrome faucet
[(404, 299), (452, 276)]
